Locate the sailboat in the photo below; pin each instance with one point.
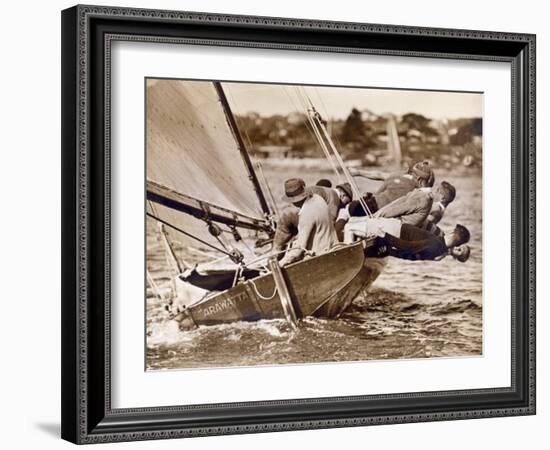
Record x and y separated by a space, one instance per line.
205 194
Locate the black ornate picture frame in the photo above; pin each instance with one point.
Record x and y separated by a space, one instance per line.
87 34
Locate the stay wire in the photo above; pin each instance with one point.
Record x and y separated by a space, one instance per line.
315 132
345 171
185 233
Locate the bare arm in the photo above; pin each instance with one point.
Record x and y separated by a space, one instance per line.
287 226
370 174
341 220
305 228
435 216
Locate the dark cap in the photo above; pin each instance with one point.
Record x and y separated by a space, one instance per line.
423 171
323 182
346 187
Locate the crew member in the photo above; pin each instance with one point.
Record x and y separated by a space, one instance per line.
438 209
336 198
316 233
416 207
394 185
409 242
287 224
324 182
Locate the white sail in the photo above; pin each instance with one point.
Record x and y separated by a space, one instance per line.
192 150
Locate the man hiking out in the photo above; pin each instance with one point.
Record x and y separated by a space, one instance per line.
414 208
438 209
417 206
409 242
394 185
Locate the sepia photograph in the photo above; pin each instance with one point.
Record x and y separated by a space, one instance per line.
301 224
282 223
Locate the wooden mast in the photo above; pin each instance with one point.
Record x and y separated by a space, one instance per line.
242 148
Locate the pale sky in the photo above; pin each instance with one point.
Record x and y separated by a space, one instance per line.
337 102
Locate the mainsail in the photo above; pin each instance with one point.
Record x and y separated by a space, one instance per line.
197 169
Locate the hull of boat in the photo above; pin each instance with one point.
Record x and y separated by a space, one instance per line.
339 302
322 286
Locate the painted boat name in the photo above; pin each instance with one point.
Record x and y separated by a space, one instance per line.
223 304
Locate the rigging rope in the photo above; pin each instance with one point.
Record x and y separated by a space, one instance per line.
325 110
345 170
209 255
234 254
263 297
324 148
269 192
155 288
219 239
311 129
238 119
315 118
190 235
303 98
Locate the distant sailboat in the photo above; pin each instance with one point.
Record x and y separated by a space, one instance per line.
203 189
394 146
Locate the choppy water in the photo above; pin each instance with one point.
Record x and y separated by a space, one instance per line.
414 310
